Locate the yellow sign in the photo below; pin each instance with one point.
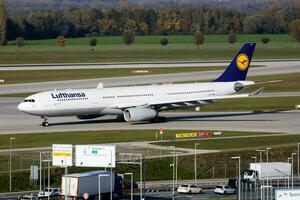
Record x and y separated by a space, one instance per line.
242 61
65 154
186 135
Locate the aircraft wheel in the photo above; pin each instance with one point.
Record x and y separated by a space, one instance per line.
45 124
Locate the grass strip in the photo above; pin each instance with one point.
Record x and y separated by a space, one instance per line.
93 137
237 143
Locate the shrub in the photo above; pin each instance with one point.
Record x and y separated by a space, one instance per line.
265 40
20 42
295 29
93 42
128 37
232 37
164 41
61 41
199 38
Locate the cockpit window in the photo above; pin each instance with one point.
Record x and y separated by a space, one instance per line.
29 100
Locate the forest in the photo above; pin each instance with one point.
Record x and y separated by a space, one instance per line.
85 21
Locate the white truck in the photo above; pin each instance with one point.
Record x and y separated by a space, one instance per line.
76 185
270 170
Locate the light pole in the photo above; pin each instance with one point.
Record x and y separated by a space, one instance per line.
99 184
293 154
298 144
255 161
173 190
289 174
239 159
131 184
260 154
173 165
10 152
267 150
111 196
195 160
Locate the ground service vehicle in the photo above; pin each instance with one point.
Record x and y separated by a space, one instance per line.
270 170
224 189
75 185
52 192
189 189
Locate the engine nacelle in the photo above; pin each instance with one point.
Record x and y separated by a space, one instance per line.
139 114
88 116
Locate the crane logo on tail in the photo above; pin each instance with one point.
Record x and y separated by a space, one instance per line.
242 62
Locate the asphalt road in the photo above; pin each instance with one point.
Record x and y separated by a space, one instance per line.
151 196
14 121
270 68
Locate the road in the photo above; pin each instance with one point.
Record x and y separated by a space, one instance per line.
270 68
14 121
150 196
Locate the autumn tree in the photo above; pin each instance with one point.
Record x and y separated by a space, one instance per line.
20 42
61 41
128 37
232 37
295 29
199 38
3 24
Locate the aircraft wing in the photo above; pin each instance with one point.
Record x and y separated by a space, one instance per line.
187 100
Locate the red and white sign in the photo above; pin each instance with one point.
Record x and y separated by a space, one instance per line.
204 134
161 131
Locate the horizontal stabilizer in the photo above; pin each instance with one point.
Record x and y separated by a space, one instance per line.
257 92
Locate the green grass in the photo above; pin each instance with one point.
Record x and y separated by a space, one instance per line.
290 82
155 39
237 143
93 137
146 48
30 76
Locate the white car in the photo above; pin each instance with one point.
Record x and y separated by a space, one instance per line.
28 197
224 189
189 189
53 192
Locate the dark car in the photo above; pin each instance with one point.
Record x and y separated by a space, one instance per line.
127 185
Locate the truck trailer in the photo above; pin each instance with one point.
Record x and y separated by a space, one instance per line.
75 185
268 170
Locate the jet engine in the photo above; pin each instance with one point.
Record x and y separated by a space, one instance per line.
88 116
139 114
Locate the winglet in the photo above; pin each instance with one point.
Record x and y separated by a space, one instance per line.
257 92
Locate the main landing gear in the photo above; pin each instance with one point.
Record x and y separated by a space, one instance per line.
45 123
159 119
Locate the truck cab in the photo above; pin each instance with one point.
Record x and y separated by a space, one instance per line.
250 174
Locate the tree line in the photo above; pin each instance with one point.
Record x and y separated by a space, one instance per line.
81 22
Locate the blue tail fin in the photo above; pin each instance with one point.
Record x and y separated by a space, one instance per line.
238 68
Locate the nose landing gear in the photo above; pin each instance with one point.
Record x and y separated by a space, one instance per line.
45 123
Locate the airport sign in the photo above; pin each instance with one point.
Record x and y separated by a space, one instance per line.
95 156
289 194
62 155
194 135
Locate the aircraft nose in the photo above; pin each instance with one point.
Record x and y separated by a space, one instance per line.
22 107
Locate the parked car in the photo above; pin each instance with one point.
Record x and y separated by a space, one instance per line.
52 192
127 185
224 189
28 197
189 189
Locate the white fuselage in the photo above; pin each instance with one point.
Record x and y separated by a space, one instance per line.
111 101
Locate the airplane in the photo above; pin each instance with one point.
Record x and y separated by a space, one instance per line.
142 103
